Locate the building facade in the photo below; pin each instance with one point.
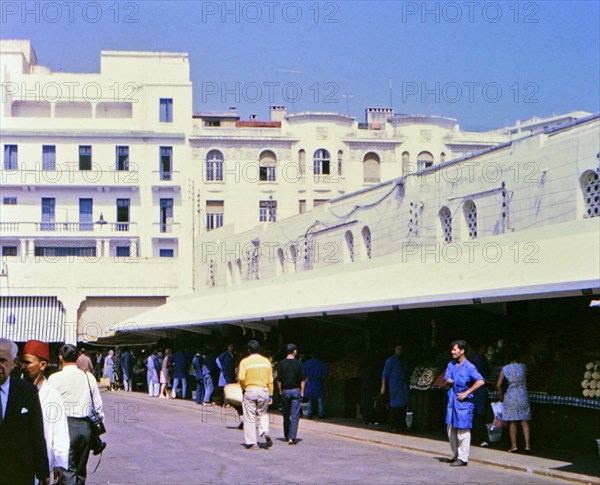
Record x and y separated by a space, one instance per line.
113 191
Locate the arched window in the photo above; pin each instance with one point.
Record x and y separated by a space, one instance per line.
442 157
302 162
349 245
406 168
267 163
590 185
340 162
293 257
281 261
446 221
238 264
470 211
366 234
424 160
230 274
371 168
214 165
321 162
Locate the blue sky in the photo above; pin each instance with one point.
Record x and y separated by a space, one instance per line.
485 63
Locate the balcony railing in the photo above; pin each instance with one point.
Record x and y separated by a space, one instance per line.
166 227
51 228
165 176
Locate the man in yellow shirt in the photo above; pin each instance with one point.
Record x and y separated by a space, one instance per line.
255 376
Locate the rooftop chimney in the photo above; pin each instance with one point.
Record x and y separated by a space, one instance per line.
277 113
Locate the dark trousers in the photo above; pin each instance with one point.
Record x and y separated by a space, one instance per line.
291 404
398 418
80 435
479 432
199 390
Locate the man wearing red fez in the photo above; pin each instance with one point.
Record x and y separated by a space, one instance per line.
36 355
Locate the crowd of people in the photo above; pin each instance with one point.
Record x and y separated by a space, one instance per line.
60 448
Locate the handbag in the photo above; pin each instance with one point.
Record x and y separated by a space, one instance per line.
96 421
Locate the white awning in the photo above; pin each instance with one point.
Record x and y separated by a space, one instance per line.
519 266
32 317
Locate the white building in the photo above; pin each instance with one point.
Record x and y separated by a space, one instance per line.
518 222
109 181
95 215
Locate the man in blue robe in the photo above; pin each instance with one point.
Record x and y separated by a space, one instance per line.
395 375
463 378
316 372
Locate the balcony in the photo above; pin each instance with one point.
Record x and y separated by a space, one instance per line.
165 227
70 176
68 229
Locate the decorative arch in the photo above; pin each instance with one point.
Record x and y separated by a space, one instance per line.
371 168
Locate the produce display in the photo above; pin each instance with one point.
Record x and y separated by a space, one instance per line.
591 379
347 367
423 377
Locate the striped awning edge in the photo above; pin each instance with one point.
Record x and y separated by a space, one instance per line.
32 317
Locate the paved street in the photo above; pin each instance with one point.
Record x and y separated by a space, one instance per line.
153 441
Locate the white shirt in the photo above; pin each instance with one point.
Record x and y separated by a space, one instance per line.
72 385
4 388
56 429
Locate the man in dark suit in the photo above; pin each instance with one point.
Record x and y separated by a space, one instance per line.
21 426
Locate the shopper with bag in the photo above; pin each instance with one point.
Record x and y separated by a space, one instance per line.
515 401
80 393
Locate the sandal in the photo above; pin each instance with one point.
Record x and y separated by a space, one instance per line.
513 450
529 451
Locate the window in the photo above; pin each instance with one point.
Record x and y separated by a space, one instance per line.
48 206
366 234
166 215
48 157
590 184
122 251
281 260
266 166
293 253
214 214
63 251
122 215
85 214
442 157
446 221
214 166
406 168
340 160
85 157
302 206
302 162
424 160
350 245
166 163
267 211
122 158
166 253
11 159
212 269
9 250
470 211
321 162
371 168
166 110
9 201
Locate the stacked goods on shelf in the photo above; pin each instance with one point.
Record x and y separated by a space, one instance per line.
423 377
591 380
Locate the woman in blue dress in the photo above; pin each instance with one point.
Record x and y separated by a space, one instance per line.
463 378
515 401
109 368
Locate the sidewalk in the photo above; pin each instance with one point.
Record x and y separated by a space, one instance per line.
548 463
